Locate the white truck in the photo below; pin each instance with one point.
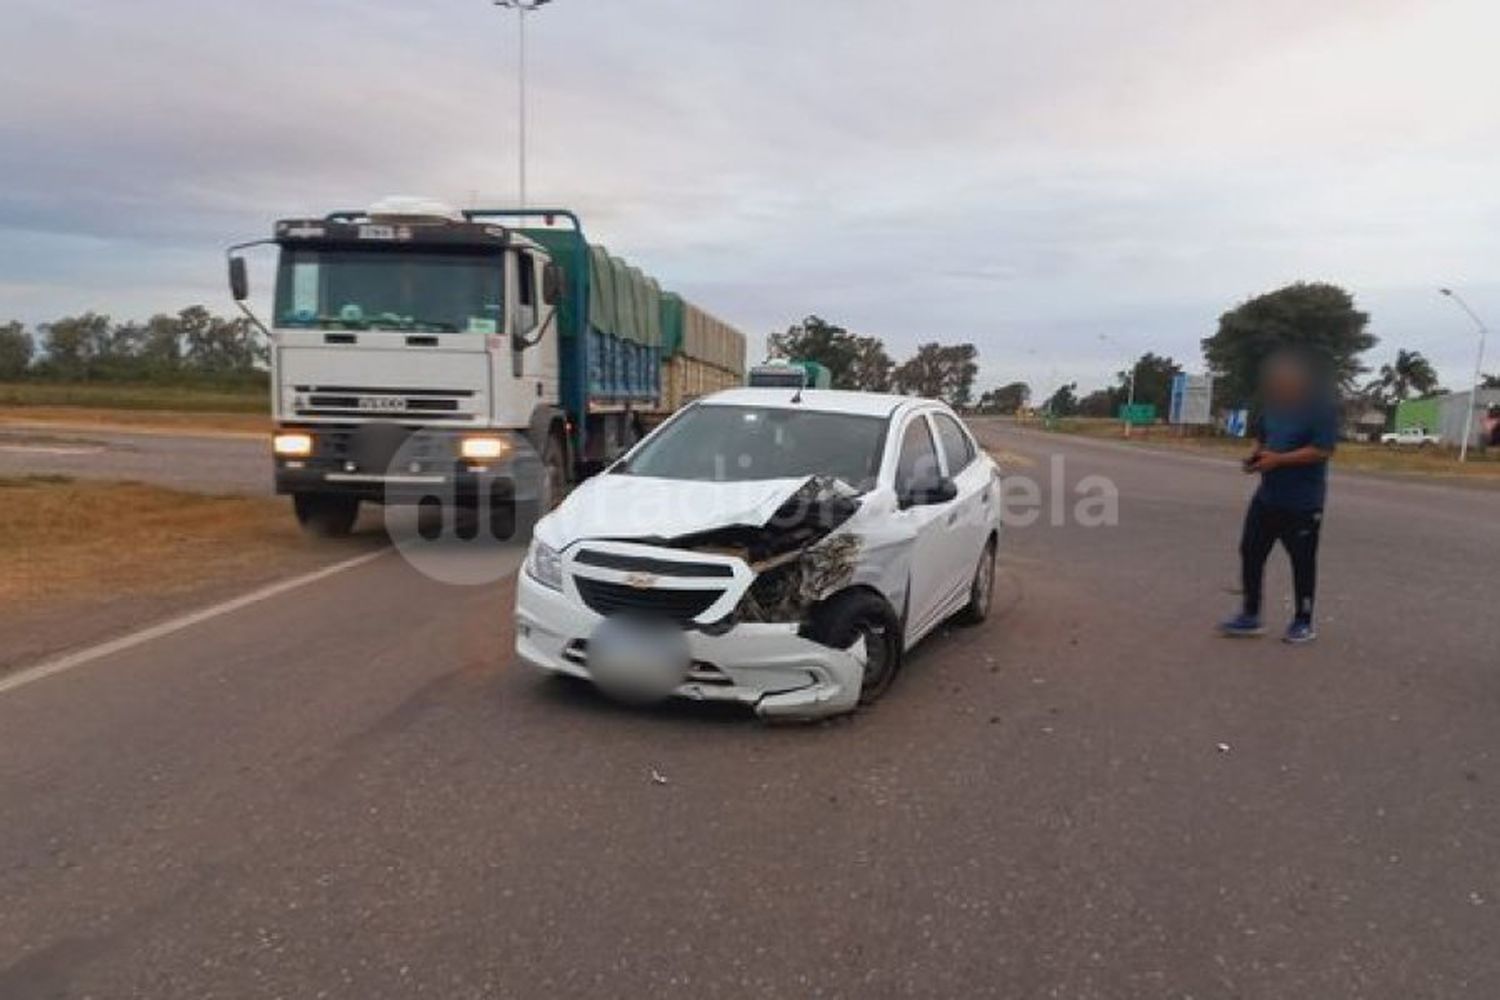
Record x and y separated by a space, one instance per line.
1410 437
483 358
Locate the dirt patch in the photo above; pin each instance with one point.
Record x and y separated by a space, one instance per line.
84 418
81 560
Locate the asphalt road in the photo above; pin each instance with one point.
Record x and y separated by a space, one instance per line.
351 791
216 463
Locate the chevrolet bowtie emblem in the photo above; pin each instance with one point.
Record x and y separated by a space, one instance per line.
640 581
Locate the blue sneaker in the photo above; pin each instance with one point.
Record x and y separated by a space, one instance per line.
1242 625
1300 631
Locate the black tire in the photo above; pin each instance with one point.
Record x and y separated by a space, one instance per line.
325 516
846 618
554 472
551 488
982 589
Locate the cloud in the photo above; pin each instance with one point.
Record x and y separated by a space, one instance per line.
1023 175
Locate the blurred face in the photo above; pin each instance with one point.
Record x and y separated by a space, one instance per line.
1285 380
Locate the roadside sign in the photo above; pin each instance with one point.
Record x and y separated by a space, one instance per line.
1138 414
1192 399
1237 423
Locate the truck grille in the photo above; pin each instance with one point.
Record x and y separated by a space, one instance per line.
680 606
381 401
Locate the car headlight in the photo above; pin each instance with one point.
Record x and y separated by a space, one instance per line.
482 449
544 565
292 445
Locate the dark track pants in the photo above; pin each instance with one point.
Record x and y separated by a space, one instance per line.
1297 531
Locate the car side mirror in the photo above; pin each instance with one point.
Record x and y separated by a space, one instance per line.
552 284
239 279
930 493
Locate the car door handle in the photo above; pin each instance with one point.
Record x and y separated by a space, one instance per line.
952 518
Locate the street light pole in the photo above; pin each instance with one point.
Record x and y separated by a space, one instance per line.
522 8
1463 449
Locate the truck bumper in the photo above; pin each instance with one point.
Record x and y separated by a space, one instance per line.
768 667
404 466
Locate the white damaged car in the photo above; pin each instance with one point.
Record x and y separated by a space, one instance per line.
779 549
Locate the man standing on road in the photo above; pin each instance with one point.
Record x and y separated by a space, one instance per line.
1295 437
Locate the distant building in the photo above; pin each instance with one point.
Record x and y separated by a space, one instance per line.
1444 415
1362 422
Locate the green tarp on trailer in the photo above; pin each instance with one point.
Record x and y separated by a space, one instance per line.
671 324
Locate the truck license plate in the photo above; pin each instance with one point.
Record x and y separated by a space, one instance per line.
383 404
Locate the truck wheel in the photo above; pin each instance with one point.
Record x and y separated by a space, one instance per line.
325 516
554 472
981 590
859 616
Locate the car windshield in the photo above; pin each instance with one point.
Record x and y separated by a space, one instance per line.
743 443
386 290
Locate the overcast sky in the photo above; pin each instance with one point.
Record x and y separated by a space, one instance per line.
1027 176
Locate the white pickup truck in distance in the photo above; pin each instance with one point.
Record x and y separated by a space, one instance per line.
1410 437
781 549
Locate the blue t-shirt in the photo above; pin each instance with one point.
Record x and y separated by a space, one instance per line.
1297 487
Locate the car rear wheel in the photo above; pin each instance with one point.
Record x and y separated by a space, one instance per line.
982 590
863 622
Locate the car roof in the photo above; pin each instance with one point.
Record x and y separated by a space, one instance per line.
868 404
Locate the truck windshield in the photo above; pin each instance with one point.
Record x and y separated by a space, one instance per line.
743 443
390 290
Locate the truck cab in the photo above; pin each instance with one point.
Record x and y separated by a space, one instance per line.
414 358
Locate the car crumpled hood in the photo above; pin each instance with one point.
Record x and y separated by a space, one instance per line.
640 507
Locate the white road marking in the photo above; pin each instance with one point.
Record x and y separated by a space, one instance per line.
47 449
68 661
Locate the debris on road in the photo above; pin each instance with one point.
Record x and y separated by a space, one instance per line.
657 778
1222 747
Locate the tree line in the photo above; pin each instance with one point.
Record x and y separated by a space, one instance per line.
192 344
1317 319
938 371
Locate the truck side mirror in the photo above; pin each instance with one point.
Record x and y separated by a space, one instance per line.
552 284
239 279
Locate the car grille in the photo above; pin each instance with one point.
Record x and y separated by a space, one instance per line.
646 564
680 606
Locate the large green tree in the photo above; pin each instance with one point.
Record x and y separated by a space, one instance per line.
1408 374
1317 318
1100 403
16 348
1006 399
872 368
941 371
816 339
1063 402
77 346
1153 383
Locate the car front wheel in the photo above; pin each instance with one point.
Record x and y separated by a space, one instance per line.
863 622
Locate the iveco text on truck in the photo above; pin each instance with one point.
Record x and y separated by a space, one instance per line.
485 358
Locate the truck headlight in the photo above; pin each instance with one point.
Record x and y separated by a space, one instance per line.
292 445
544 565
482 449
